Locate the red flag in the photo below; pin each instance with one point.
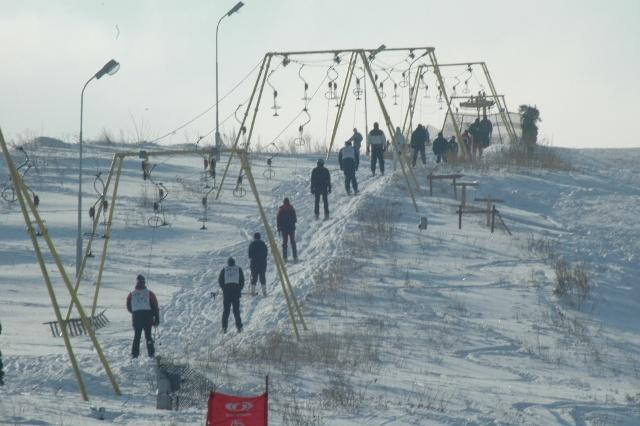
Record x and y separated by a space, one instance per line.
231 410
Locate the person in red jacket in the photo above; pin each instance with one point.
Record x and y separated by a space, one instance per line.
143 305
286 221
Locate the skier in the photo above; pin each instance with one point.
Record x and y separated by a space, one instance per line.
452 149
143 305
286 221
231 281
376 142
440 146
357 144
347 161
321 186
486 129
258 263
400 145
419 138
475 131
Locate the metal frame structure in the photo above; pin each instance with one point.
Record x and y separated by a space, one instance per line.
365 56
31 217
499 100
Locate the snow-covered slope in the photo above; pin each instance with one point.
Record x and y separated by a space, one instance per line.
442 326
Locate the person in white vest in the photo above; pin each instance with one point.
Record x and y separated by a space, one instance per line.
145 313
376 143
231 281
347 161
400 144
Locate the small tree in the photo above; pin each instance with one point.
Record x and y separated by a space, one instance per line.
529 116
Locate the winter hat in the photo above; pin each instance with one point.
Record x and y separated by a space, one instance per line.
231 261
320 162
256 236
140 281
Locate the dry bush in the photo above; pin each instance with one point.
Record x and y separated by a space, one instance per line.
295 414
341 393
544 247
519 156
571 281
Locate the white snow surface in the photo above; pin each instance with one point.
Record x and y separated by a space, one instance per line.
441 326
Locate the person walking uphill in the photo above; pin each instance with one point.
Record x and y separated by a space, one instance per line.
231 281
375 143
321 186
357 144
440 148
143 305
419 139
258 263
286 223
347 160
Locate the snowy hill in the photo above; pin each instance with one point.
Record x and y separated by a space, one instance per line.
441 326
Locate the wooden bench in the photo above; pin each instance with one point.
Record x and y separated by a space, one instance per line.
431 177
464 185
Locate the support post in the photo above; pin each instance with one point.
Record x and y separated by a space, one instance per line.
343 100
459 217
275 252
501 108
412 104
96 219
266 61
456 128
107 234
21 194
85 320
493 218
390 129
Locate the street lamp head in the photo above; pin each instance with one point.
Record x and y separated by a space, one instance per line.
235 8
110 68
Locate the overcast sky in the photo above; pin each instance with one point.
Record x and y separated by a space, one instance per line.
578 61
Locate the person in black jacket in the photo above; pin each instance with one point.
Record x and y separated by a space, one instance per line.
143 305
347 161
419 139
286 221
258 262
321 186
231 281
440 148
376 144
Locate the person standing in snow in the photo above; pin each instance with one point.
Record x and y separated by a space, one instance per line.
419 139
321 187
475 130
286 224
347 161
376 142
452 149
400 145
357 144
486 128
145 313
258 263
231 281
440 147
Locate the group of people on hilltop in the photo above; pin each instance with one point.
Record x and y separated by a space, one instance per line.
478 136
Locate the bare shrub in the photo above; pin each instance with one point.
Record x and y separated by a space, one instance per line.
294 414
341 393
519 155
544 247
571 281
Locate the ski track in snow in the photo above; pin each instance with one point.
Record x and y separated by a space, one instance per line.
464 326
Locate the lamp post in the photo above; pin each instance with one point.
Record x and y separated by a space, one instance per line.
229 13
109 68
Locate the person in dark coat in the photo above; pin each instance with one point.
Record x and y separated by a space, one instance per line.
347 161
440 148
286 223
475 130
258 263
452 149
231 281
321 187
419 138
357 144
145 313
486 128
376 143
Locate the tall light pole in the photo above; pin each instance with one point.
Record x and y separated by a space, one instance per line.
229 13
109 68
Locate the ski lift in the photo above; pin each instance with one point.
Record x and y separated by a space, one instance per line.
275 106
